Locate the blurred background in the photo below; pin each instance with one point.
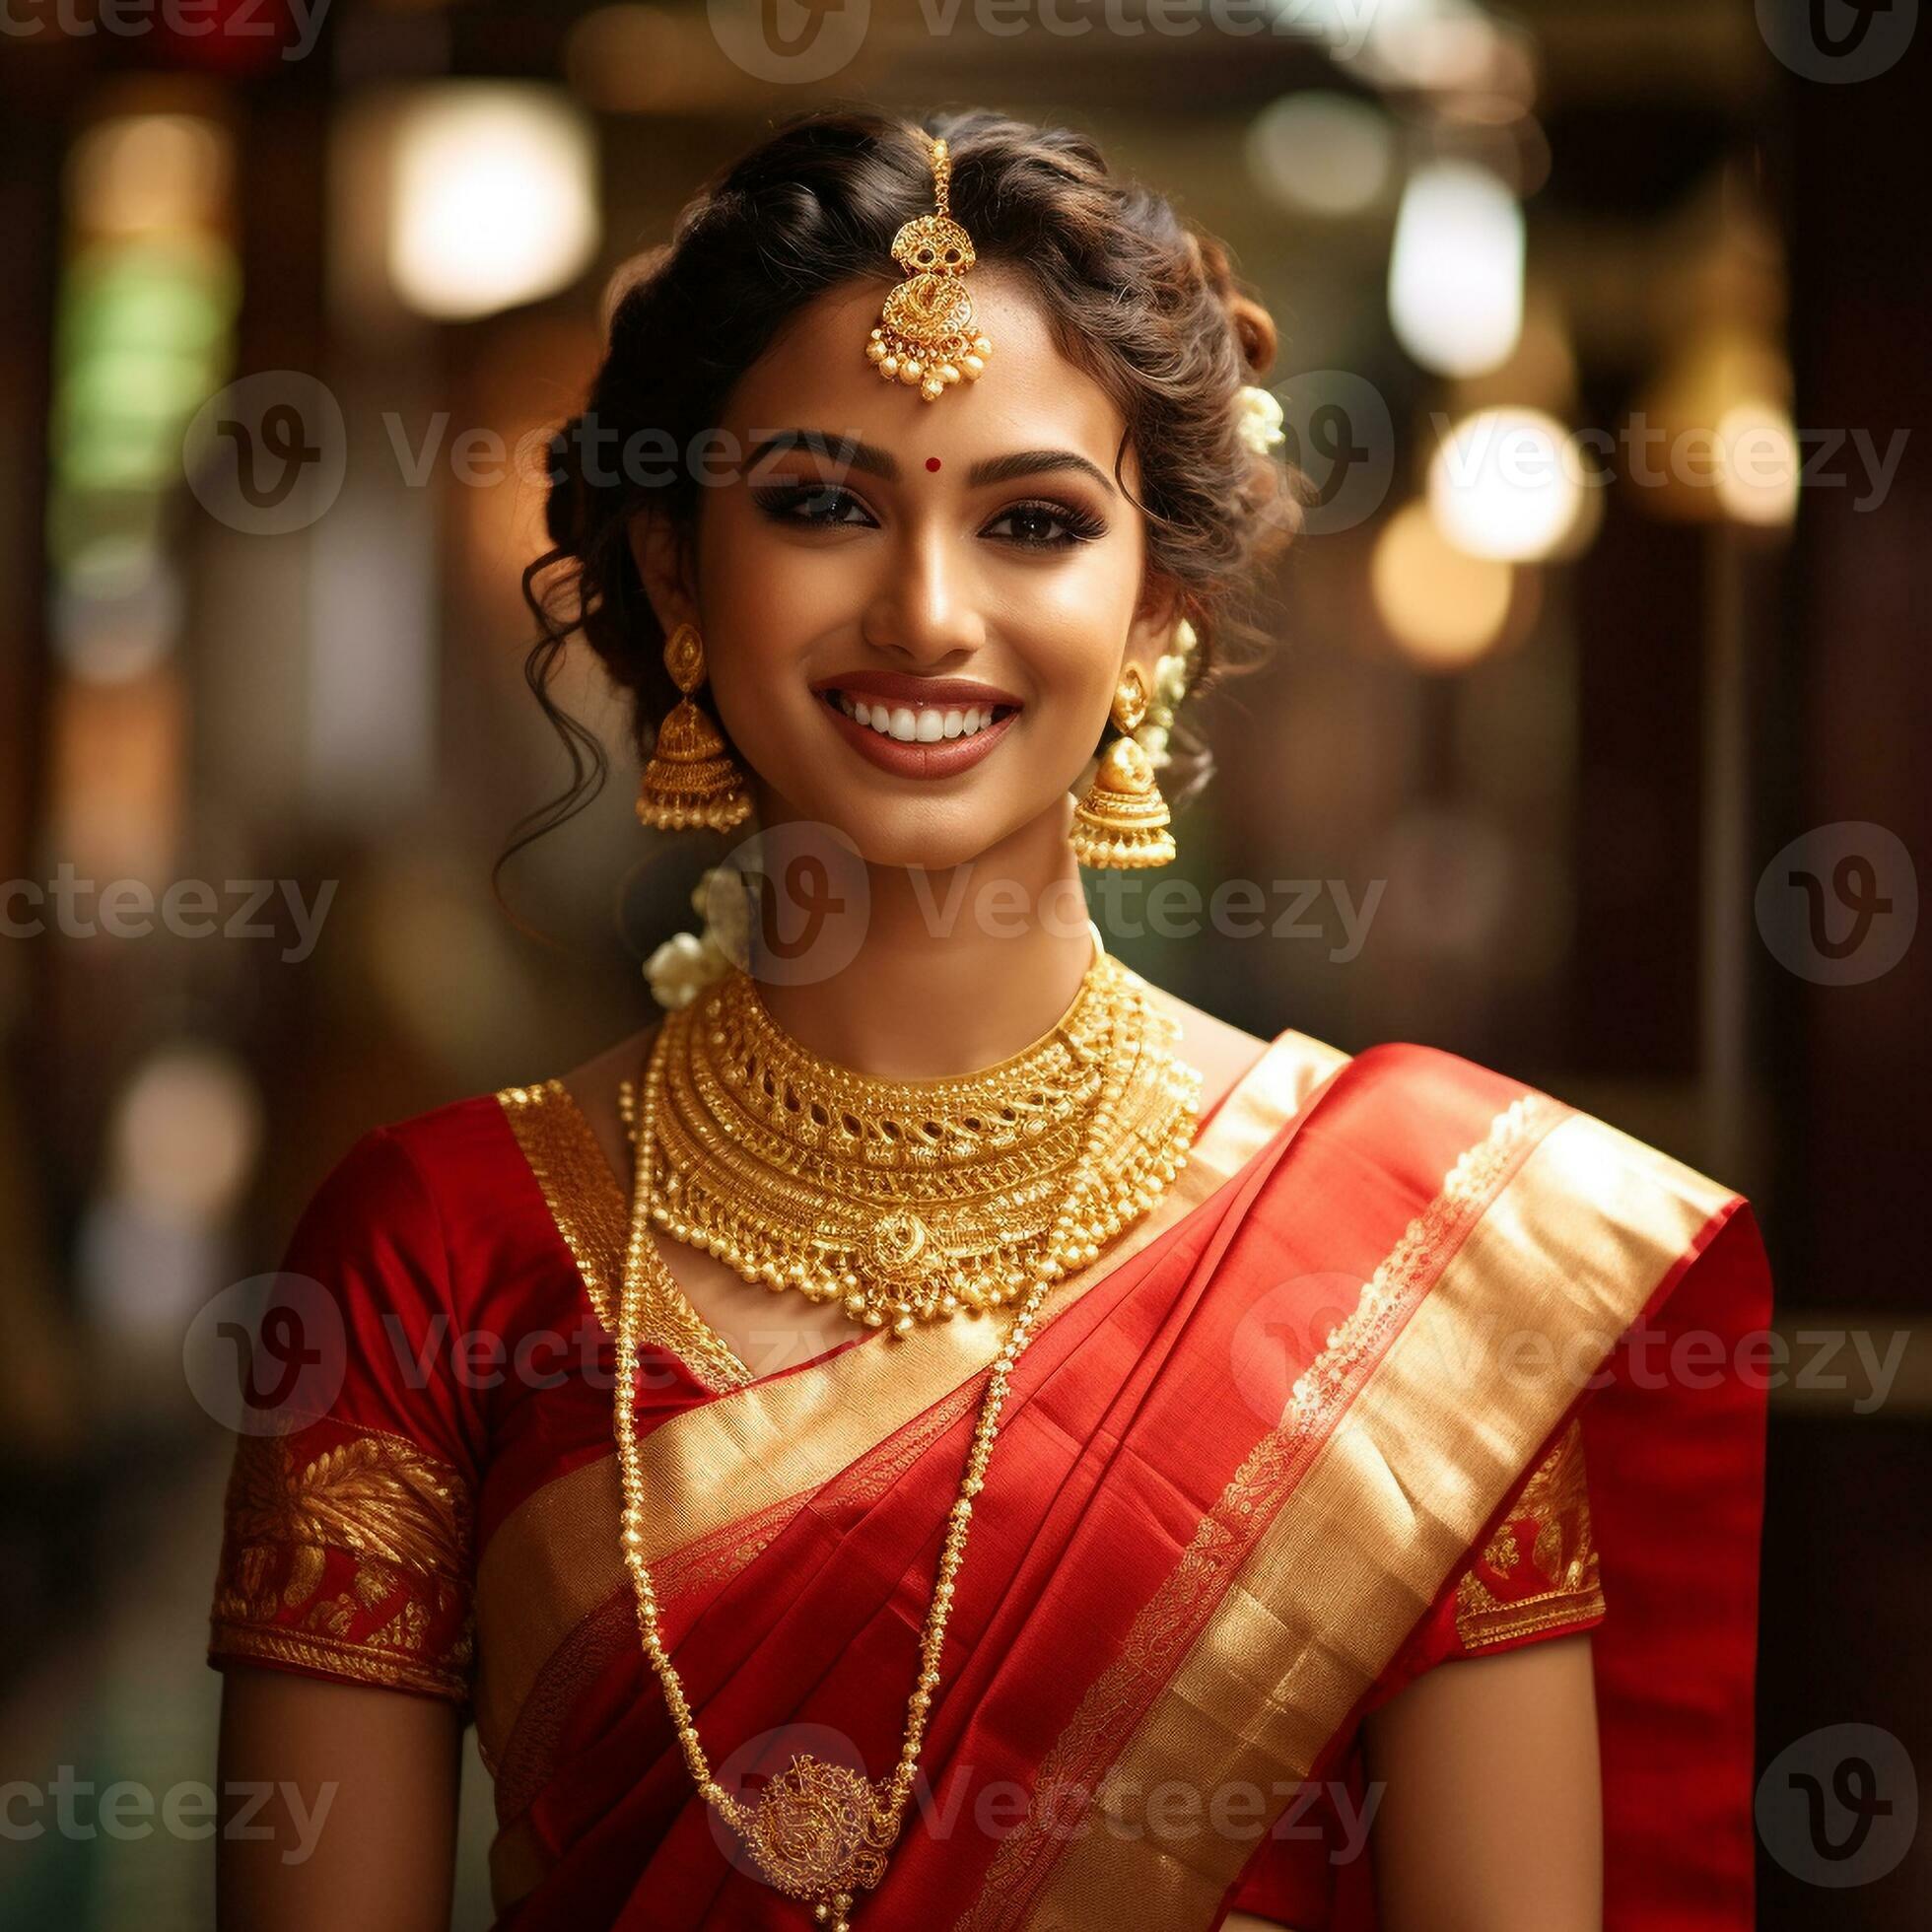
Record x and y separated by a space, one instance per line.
1592 745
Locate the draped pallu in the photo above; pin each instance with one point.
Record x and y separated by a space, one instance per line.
1396 1376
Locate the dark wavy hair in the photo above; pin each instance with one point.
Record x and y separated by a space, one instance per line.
1132 293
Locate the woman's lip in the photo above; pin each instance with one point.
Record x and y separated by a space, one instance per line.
941 759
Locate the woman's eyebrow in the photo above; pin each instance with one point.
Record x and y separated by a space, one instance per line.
844 453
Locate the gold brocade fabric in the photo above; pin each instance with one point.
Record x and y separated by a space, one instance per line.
346 1551
1538 1571
1382 1518
589 1206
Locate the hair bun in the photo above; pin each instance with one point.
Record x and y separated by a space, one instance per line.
1253 326
1254 329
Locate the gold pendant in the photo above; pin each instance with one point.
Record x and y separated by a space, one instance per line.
818 1830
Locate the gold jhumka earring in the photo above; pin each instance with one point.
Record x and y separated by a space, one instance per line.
926 337
692 779
1123 820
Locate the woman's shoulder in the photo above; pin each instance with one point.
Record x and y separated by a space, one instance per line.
1405 1095
455 1158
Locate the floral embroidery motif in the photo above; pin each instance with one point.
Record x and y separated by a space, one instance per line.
1539 1570
350 1556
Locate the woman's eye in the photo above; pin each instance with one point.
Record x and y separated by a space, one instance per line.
820 503
1024 525
1046 526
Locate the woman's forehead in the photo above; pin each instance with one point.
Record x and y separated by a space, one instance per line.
1032 396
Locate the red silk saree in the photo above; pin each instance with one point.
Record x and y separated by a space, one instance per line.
1399 1374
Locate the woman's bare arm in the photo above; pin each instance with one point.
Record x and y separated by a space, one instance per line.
359 1826
1490 1801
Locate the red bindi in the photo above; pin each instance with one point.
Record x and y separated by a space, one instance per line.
931 462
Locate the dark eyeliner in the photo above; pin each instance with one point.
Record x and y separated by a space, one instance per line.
782 500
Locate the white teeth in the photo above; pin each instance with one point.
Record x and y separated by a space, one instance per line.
924 726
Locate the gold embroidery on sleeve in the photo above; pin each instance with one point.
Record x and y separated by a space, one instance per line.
355 1560
1558 1582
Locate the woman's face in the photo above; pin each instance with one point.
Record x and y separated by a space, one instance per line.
915 614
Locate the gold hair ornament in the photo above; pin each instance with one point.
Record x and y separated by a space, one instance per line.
926 338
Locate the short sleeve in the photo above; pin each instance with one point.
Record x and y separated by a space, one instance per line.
1537 1575
1534 1578
348 1538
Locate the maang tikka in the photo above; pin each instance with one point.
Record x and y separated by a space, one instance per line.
692 779
926 335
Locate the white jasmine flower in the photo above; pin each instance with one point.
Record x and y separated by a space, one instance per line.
1170 681
723 900
1259 418
682 967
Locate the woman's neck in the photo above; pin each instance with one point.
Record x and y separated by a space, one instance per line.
954 970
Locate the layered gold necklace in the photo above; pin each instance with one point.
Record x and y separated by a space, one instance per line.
905 1200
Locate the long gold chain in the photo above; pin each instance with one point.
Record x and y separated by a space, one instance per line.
819 1831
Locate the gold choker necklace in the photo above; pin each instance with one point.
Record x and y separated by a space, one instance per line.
906 1200
1106 1078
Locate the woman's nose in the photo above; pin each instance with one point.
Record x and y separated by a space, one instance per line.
925 611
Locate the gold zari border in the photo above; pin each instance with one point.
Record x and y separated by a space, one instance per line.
1571 1248
1563 1552
591 1214
400 1518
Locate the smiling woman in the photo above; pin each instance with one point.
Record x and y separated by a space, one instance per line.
1037 1455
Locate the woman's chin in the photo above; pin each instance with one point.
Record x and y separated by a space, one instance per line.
928 840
